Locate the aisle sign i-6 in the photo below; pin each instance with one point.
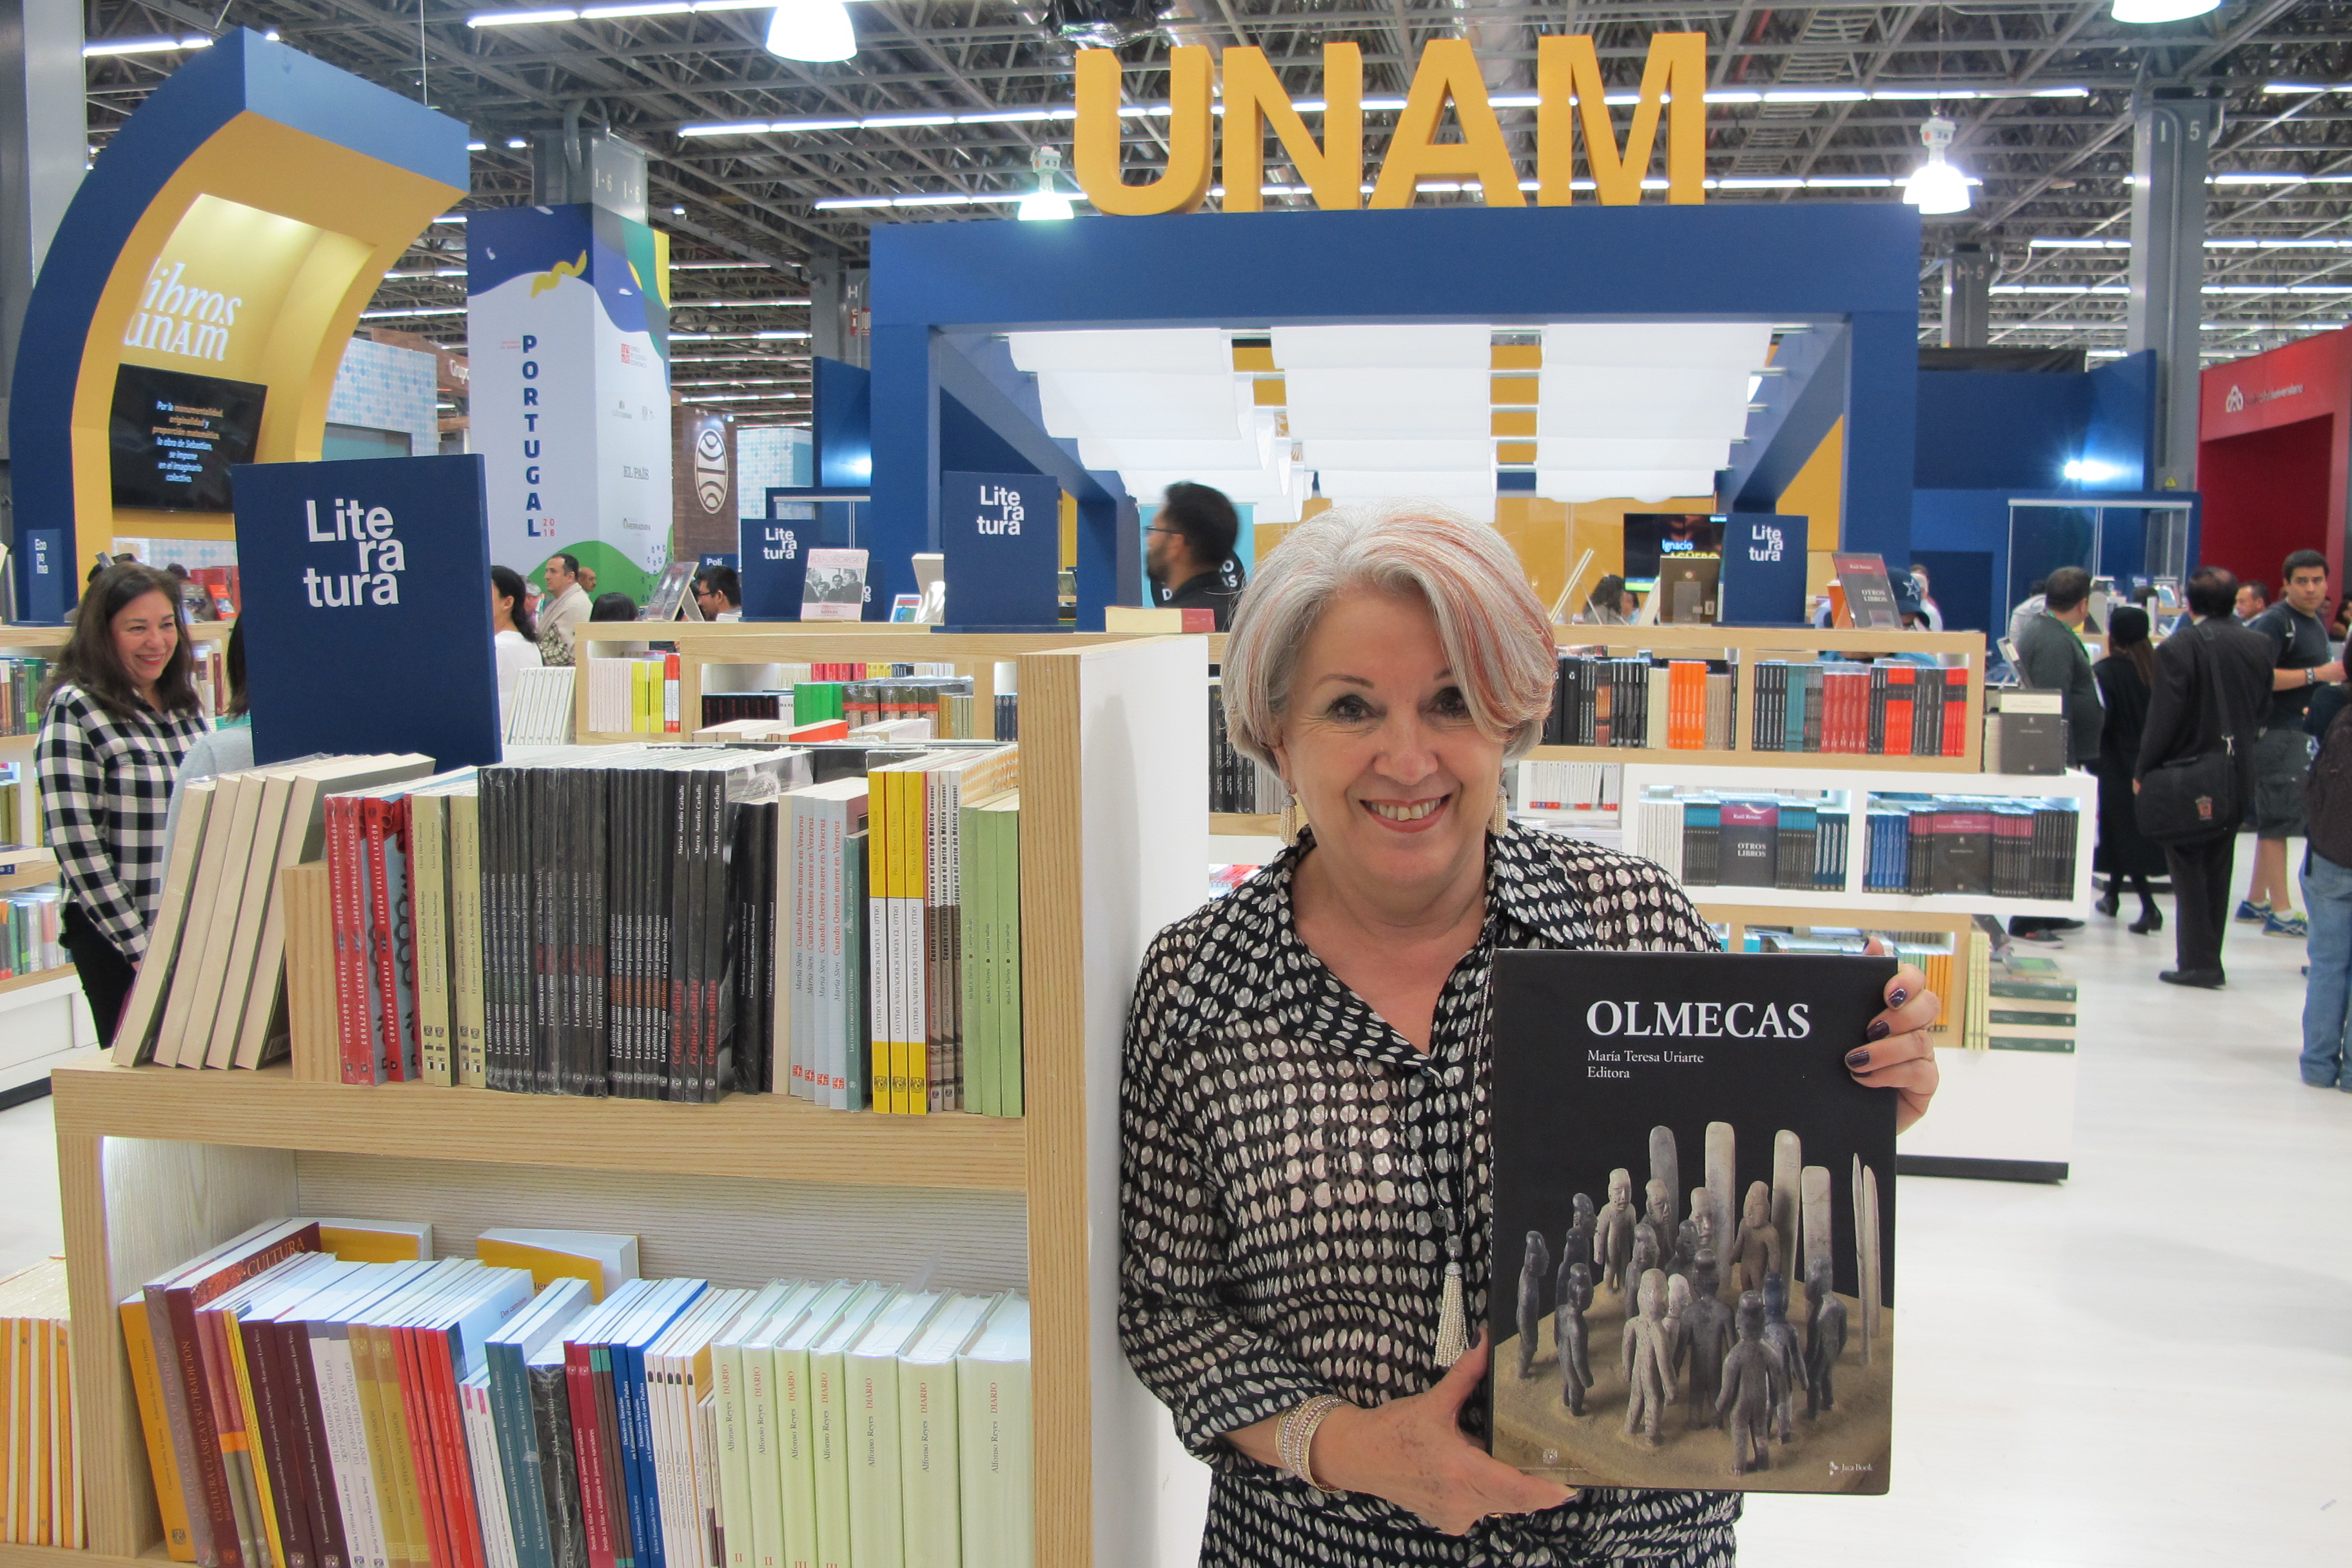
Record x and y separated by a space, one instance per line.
1570 95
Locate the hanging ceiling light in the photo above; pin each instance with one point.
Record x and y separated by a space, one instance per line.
1045 203
2145 11
811 30
1938 186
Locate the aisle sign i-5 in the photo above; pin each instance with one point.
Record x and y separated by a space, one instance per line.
368 627
1570 98
1763 570
1002 537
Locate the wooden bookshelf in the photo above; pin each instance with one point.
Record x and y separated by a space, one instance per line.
157 1163
16 983
701 645
1245 825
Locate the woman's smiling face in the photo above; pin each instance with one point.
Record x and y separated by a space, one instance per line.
1379 745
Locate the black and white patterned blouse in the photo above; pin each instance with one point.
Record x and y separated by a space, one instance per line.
1292 1168
106 785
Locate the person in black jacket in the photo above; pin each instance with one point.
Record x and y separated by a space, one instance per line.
2124 677
1189 551
2213 679
2049 656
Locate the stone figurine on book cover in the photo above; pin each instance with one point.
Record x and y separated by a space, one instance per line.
1728 1319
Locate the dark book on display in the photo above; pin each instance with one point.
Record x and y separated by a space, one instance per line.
1696 1289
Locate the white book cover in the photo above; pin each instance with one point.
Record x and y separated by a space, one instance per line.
829 1433
490 1475
992 1418
870 1369
233 795
804 1017
729 1456
795 1449
929 1485
673 1358
145 1006
786 948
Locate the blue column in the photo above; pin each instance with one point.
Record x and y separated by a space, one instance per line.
1101 525
1882 430
905 511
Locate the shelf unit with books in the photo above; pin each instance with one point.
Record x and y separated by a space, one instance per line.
1745 648
1858 787
702 646
156 1164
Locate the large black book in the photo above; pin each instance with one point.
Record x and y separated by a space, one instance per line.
1691 1114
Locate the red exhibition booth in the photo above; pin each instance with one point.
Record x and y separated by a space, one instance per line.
2272 457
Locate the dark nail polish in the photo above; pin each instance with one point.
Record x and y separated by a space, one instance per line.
1879 1029
1896 997
1858 1058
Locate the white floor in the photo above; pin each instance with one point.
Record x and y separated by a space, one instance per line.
2149 1365
2152 1363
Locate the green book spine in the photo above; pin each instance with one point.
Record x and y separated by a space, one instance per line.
857 1039
1008 965
979 887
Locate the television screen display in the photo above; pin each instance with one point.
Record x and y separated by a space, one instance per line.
174 436
1652 535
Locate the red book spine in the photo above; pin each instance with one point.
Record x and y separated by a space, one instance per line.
670 694
327 1527
588 1455
383 948
420 1450
450 1445
1956 713
273 1447
1901 691
343 895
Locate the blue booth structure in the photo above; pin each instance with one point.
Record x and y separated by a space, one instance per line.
2017 472
946 397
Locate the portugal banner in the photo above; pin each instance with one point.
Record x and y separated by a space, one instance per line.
567 313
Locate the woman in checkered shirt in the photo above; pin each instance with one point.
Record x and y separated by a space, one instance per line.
122 711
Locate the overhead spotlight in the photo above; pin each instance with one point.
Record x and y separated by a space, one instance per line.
518 142
1045 203
1937 188
677 212
2146 11
814 30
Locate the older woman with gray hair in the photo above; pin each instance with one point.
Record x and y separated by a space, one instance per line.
1304 1094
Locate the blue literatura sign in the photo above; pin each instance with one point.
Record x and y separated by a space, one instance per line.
1001 536
367 608
1763 570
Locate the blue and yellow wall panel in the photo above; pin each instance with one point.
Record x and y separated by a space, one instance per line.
235 227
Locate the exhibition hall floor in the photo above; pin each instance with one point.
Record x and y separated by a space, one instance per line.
2151 1365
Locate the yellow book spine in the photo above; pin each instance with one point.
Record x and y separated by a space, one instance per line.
915 815
250 1439
20 1429
399 1454
907 842
44 1480
145 1382
396 1549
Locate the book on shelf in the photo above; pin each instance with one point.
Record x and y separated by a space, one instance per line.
307 1409
1885 708
1706 839
2001 847
29 941
1591 788
210 987
1931 952
41 1501
2029 1004
1237 783
542 712
1723 1224
22 676
1635 701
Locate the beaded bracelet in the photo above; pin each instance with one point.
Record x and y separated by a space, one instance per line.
1294 1439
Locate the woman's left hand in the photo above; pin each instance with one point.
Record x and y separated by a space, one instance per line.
1896 1052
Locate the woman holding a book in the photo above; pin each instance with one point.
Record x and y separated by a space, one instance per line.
121 712
1304 1095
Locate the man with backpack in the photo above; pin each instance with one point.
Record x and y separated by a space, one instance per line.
2327 899
2197 765
2299 654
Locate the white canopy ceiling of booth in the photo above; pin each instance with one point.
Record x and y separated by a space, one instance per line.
1638 411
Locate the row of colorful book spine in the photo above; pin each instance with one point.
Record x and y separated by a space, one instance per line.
324 1395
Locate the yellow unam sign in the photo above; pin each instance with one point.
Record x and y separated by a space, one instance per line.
1568 88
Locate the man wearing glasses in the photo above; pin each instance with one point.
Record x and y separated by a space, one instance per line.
1189 551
